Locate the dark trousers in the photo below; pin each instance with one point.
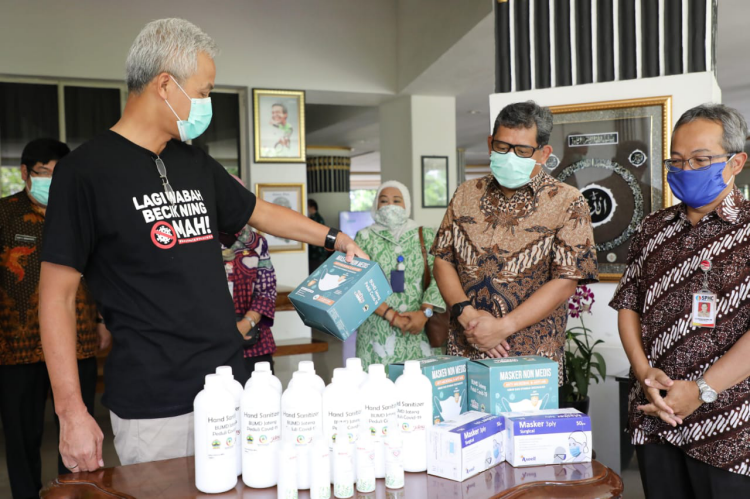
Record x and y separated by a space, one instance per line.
667 472
251 361
24 389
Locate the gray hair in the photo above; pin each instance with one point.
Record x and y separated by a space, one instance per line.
526 115
166 46
733 123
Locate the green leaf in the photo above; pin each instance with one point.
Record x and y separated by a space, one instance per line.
601 366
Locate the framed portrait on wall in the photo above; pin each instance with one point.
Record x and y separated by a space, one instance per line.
279 126
290 196
613 153
434 181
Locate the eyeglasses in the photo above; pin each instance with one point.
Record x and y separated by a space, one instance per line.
45 174
521 151
164 180
694 163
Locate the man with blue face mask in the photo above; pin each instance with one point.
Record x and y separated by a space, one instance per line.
684 314
513 246
24 383
138 212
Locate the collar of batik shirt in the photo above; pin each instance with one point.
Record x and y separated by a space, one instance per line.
729 210
536 183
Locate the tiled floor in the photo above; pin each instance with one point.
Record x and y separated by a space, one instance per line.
631 478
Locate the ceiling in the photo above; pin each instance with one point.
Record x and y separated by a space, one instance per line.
466 71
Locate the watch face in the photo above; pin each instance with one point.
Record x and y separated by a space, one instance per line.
709 396
428 312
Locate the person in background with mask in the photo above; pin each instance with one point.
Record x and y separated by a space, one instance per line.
395 332
138 212
513 246
24 383
689 377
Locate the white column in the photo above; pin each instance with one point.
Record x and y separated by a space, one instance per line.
412 127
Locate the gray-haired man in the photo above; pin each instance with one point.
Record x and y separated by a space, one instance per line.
684 316
513 246
138 212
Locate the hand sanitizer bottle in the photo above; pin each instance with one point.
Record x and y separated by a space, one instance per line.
414 398
235 388
215 423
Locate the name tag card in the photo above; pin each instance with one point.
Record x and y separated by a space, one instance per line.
704 309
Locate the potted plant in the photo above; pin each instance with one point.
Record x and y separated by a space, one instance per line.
582 363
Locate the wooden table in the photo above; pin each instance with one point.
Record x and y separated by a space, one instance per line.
176 478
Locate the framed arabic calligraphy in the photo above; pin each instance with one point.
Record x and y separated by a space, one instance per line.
612 152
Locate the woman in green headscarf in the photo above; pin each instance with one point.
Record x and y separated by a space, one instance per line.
395 332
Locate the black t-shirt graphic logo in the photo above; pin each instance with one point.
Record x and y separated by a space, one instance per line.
163 235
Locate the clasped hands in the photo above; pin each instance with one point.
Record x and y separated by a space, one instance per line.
682 399
408 322
485 332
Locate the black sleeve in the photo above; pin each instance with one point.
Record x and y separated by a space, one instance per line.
235 203
69 226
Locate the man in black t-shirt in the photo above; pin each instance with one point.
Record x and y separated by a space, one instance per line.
138 212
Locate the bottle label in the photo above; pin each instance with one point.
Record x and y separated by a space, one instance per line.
222 434
343 424
378 417
261 429
301 424
411 416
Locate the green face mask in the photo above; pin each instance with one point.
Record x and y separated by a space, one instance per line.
510 170
40 189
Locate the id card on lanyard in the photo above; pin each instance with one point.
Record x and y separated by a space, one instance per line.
704 302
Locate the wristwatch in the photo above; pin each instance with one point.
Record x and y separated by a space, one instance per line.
708 394
330 243
458 309
250 320
428 312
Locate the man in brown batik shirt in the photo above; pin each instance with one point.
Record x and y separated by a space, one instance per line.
689 406
513 246
24 383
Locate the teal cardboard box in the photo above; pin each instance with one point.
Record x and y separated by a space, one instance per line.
513 384
448 376
339 296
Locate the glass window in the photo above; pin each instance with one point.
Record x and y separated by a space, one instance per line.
89 111
222 138
29 111
362 199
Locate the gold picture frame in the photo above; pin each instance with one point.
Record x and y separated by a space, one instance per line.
279 126
595 141
290 196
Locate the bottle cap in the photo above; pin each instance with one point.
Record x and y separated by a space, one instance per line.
225 371
262 367
213 380
354 363
306 366
412 367
376 370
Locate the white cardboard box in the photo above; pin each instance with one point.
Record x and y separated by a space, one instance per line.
555 436
466 446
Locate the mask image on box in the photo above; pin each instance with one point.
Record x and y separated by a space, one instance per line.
533 403
330 281
451 407
449 389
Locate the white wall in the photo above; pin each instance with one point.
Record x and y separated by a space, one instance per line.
687 91
426 29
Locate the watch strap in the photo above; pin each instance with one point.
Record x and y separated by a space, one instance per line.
330 243
458 308
250 320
